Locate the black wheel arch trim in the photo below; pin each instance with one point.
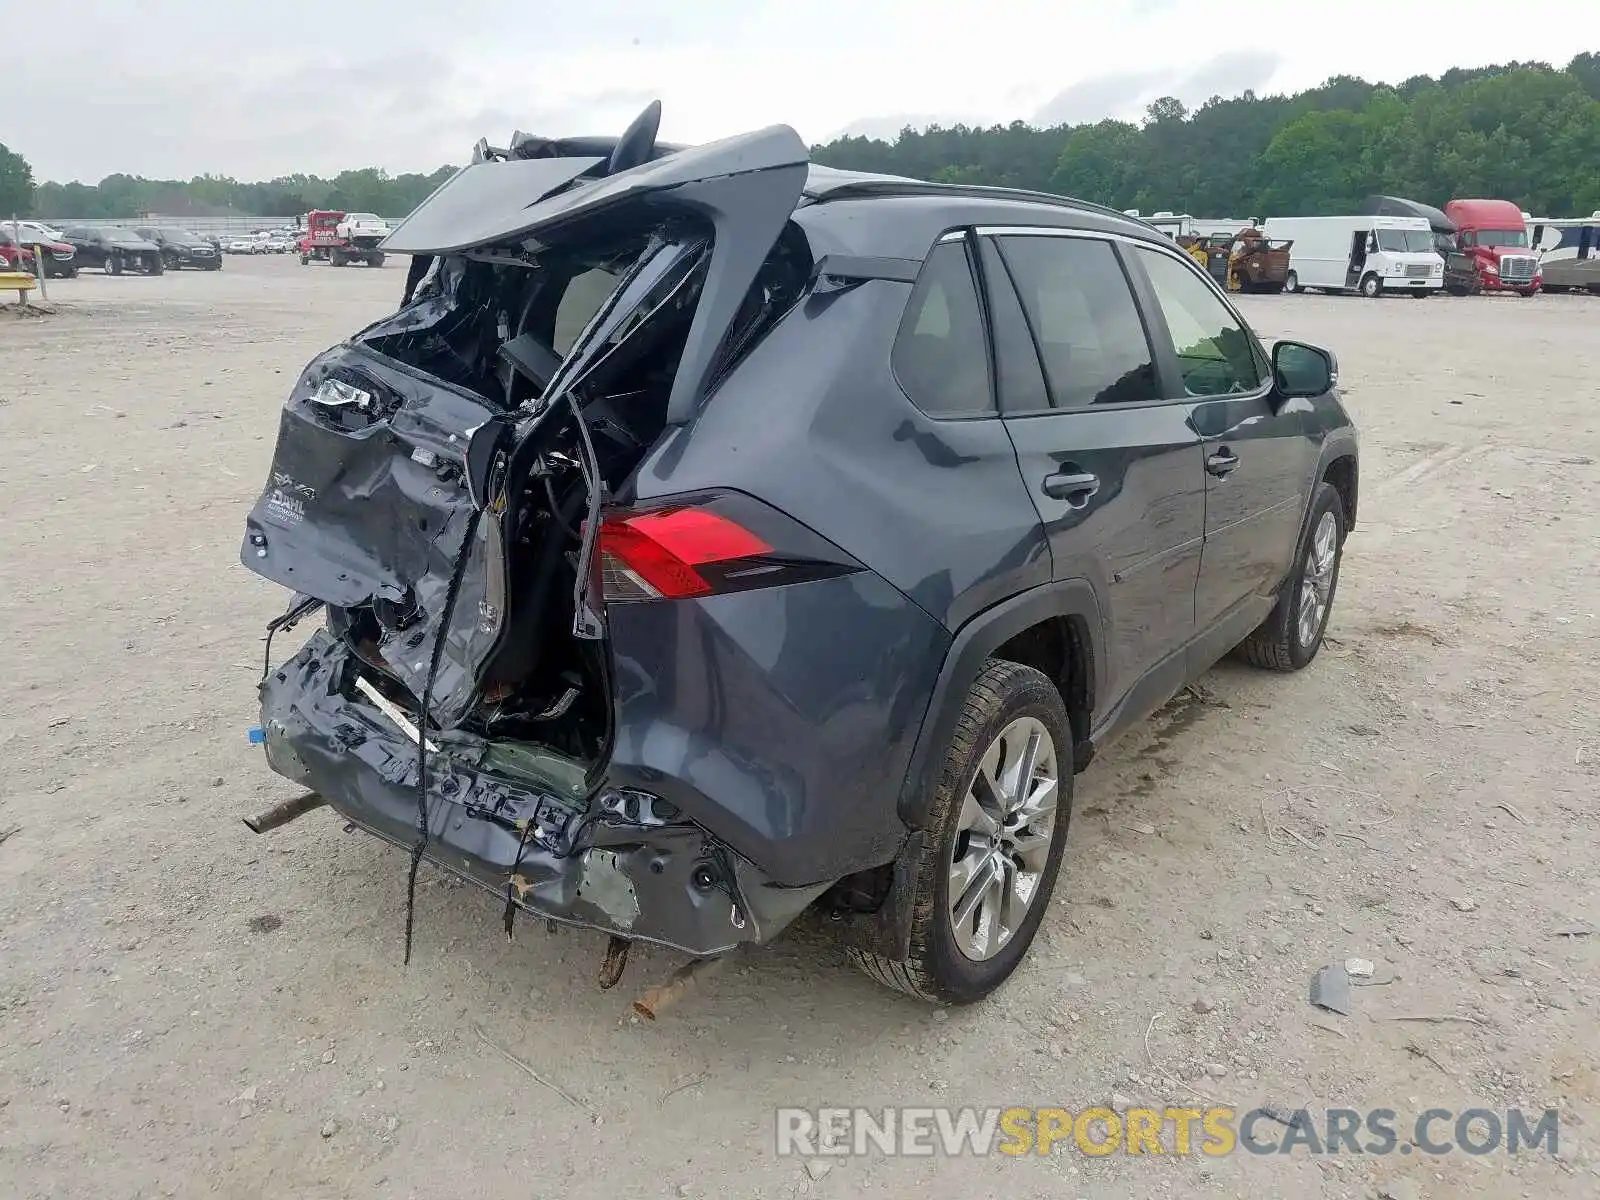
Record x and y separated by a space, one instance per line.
1341 442
971 647
887 930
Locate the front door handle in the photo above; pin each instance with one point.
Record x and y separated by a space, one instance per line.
1222 463
1075 487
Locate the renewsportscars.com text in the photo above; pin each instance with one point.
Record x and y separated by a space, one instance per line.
1098 1131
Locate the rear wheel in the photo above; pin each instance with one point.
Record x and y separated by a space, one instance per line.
1371 287
1291 282
993 843
1292 633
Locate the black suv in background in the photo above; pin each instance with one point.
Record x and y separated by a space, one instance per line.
113 250
180 248
740 533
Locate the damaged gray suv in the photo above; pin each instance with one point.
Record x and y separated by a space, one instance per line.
710 534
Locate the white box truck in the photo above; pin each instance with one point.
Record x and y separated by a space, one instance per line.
1370 255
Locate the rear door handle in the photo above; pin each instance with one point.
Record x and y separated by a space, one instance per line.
1222 462
1075 487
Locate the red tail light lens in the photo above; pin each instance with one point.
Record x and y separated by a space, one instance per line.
709 544
656 555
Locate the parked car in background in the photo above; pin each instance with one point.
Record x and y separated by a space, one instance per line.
14 256
807 557
180 248
240 245
115 250
360 228
60 259
279 244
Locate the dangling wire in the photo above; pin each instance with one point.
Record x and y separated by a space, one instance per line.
302 607
516 873
456 573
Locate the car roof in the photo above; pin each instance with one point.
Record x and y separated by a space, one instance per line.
899 217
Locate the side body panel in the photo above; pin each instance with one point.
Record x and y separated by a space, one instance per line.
814 424
781 718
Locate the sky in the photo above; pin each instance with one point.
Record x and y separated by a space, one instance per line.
177 88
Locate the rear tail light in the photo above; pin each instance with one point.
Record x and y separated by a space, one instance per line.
708 546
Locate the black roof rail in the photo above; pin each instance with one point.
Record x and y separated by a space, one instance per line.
870 185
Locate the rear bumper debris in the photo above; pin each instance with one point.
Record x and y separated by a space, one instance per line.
570 859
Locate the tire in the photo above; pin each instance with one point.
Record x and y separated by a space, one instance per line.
1280 643
157 268
374 260
1009 710
113 265
1291 282
1527 293
1421 295
1455 289
1371 286
305 260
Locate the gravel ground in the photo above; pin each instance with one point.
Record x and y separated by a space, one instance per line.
189 1010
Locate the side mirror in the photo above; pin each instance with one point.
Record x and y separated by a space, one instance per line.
1299 370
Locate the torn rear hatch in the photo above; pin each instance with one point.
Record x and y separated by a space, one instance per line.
458 446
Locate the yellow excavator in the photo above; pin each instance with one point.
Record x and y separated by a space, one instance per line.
1242 262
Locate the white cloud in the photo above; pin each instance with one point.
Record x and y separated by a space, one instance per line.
178 87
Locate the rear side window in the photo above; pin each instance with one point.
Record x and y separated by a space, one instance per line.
1084 321
939 355
1216 354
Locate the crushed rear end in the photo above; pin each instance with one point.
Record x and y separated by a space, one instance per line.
454 488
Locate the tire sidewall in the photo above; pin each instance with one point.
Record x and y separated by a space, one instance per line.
1291 282
1327 500
964 978
1371 287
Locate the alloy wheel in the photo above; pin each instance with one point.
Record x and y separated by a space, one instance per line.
1316 581
1003 838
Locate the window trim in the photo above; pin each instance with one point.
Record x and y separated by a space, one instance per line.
963 235
1268 377
1138 284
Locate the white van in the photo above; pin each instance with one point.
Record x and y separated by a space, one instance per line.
1370 255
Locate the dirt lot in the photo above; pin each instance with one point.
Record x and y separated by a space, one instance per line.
189 1010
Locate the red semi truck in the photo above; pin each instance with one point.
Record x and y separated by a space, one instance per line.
1491 239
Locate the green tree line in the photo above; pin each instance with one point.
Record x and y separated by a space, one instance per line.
370 189
1522 131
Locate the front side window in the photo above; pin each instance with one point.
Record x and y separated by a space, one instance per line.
1216 355
1083 318
939 355
1396 241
